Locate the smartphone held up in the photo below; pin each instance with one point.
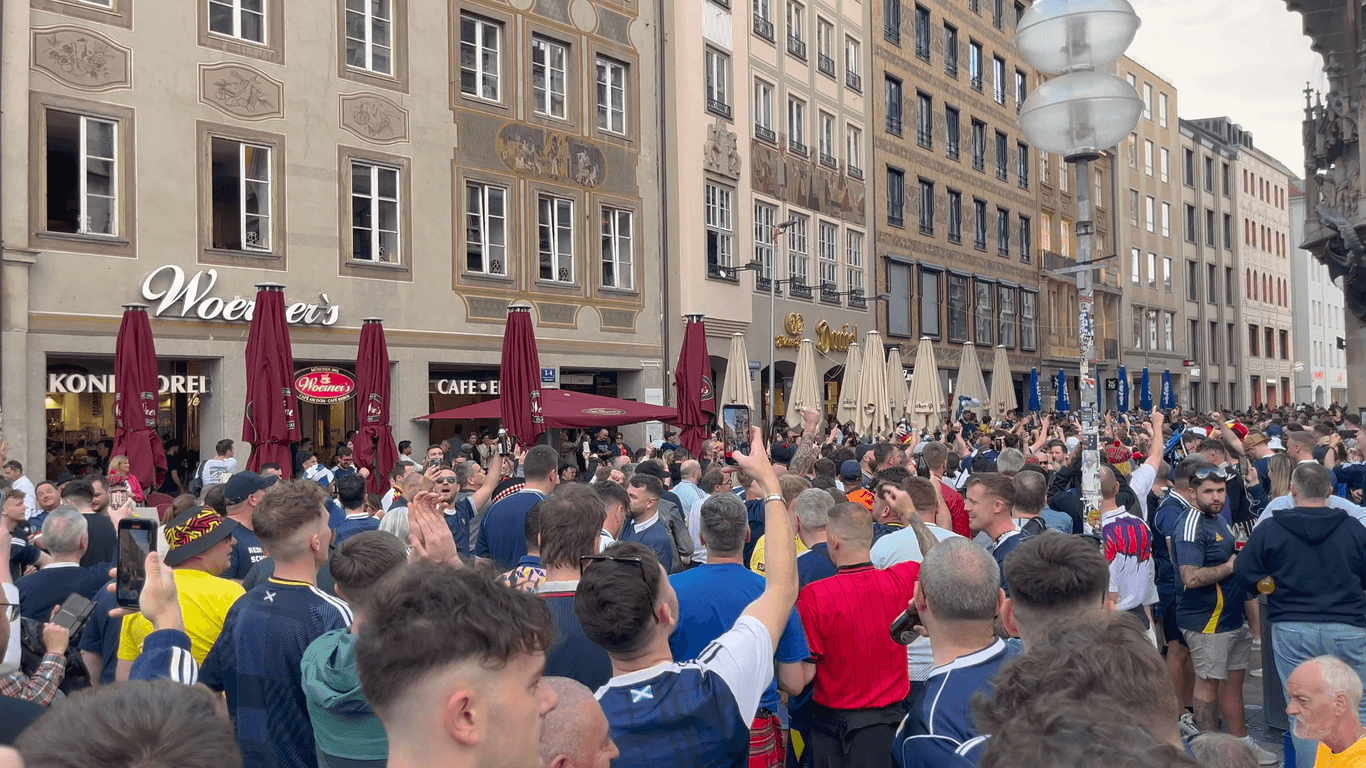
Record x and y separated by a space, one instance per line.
136 540
735 423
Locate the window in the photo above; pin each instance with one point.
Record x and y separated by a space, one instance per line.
1168 321
951 132
1148 156
1002 157
1135 271
975 65
1152 329
998 79
922 32
796 125
798 250
891 21
1003 232
82 174
241 196
984 316
929 302
765 218
853 262
618 251
1133 208
1005 310
1226 181
1137 314
853 64
763 19
1269 348
719 216
1152 271
611 95
1193 341
896 197
1167 273
1063 176
899 303
979 145
1285 345
1165 164
1166 219
718 82
979 224
1148 101
950 50
958 308
1099 199
763 111
1022 166
891 89
375 217
1188 167
796 30
924 120
1065 238
827 236
1213 343
548 77
926 207
1228 231
955 216
242 19
1026 240
555 233
1029 313
1210 231
1151 220
481 62
997 13
854 150
827 139
1021 90
1046 233
485 229
1187 222
1192 281
1133 151
369 29
1212 283
825 33
1162 109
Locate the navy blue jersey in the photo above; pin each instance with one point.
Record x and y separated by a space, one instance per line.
458 520
101 635
654 535
52 584
352 525
1165 521
1203 541
1003 547
245 553
939 729
256 662
572 655
502 534
694 714
815 564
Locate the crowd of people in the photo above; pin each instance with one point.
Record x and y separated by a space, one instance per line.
926 598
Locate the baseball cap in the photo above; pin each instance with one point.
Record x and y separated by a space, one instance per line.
1253 440
1198 431
1275 444
850 470
1072 444
244 484
651 468
194 532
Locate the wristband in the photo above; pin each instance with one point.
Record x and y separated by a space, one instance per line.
775 497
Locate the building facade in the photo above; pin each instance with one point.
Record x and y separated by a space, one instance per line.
1148 237
956 205
1317 306
1209 240
297 148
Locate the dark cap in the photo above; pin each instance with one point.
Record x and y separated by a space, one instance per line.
466 449
194 532
781 453
862 450
651 468
850 470
244 484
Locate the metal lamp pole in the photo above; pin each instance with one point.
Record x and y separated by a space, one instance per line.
778 230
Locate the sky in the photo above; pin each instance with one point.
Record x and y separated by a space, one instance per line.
1245 59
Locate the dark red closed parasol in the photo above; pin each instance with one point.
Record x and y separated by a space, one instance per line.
693 386
374 443
519 379
271 420
135 397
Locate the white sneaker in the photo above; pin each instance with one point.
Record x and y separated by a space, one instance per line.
1189 730
1263 757
1255 672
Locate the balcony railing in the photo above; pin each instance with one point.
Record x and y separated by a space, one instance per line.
857 300
924 138
829 160
951 66
977 83
1003 249
718 107
922 49
766 134
763 28
854 81
896 218
892 32
796 46
765 285
722 272
979 163
952 151
1024 178
979 241
825 64
955 235
1002 173
797 146
926 228
894 124
799 289
855 172
829 293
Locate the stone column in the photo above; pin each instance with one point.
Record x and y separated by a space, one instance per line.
21 410
1356 360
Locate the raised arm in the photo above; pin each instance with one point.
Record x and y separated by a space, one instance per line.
774 607
1155 444
807 451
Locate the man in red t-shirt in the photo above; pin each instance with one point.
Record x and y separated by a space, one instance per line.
861 677
936 456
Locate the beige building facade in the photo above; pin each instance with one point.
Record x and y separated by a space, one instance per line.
429 170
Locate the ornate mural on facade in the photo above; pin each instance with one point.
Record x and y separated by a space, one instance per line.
798 181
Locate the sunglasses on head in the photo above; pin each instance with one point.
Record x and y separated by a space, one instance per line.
1210 473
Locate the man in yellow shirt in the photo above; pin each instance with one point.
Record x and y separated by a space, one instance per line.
1325 695
201 543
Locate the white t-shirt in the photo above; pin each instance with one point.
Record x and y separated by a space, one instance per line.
217 471
30 499
1141 482
903 547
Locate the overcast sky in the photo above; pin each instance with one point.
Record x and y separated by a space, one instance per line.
1247 59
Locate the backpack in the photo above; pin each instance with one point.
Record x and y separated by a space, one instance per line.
678 531
196 484
32 651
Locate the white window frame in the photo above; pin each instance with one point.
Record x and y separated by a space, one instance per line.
765 219
717 77
1148 100
719 209
544 95
853 261
1148 156
376 202
763 104
618 247
1164 167
853 146
796 21
1162 109
796 120
242 216
488 39
1167 331
825 32
1150 221
798 250
998 77
1135 268
826 136
827 253
1167 273
1152 271
485 222
763 10
368 46
611 81
83 189
561 222
852 56
1166 219
238 11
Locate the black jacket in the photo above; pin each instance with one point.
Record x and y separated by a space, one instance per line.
1317 557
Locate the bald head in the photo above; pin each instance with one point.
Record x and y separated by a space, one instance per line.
576 734
690 470
412 484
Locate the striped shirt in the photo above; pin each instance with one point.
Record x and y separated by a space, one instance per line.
256 662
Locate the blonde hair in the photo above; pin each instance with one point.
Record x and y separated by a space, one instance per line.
119 462
1278 470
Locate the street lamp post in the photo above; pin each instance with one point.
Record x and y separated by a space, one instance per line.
1079 114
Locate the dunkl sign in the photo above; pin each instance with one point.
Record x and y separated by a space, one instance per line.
194 300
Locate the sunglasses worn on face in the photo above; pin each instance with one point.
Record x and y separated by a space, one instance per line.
446 480
636 561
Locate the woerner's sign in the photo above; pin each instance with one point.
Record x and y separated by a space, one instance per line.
78 383
168 287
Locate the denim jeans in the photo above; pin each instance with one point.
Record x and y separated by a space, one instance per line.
1295 642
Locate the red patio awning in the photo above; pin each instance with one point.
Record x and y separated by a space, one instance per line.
567 409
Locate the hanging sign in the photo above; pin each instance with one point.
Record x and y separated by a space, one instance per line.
324 385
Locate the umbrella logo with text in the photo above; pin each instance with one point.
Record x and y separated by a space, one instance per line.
706 388
603 412
536 407
373 405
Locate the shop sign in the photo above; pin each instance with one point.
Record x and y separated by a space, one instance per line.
827 338
324 385
193 297
80 383
466 387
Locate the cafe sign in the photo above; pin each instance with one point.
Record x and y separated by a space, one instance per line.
827 338
468 386
174 295
323 385
80 383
